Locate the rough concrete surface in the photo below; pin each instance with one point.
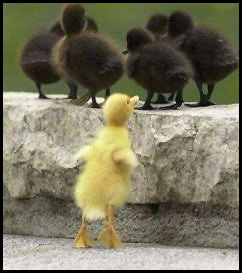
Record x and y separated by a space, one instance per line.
188 164
24 253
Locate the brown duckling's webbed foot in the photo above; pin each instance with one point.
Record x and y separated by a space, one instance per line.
202 103
73 92
41 94
179 102
95 104
204 99
147 105
160 100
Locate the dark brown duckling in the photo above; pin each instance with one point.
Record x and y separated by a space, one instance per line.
157 25
35 59
157 67
210 54
86 58
91 25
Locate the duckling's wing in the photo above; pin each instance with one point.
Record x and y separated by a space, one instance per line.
132 64
125 156
36 58
112 63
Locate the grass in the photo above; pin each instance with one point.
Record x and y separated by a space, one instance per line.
21 20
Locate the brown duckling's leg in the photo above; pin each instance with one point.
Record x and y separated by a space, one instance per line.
41 94
171 97
82 238
210 90
73 91
107 94
204 99
179 101
160 99
108 236
147 105
94 102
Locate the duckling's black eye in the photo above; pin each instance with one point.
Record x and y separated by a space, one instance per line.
127 101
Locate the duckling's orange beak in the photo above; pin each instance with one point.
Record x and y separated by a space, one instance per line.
134 100
125 52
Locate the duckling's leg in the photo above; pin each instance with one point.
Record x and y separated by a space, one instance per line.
108 93
94 102
210 90
82 238
147 105
108 236
171 97
160 99
41 94
73 91
179 101
204 99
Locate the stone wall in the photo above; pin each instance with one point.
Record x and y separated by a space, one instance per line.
188 158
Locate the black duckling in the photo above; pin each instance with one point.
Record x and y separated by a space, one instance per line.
157 67
210 54
35 59
86 58
91 25
157 25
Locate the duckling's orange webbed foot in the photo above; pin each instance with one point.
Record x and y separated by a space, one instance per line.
83 239
109 237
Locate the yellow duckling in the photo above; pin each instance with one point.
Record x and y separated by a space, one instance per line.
104 184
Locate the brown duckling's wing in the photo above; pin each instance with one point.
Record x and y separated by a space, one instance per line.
34 58
207 47
131 65
111 64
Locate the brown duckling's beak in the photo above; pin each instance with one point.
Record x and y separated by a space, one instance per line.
126 52
134 100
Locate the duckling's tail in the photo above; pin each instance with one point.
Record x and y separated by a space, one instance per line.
94 214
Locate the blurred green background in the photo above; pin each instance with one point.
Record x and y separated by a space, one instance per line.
22 20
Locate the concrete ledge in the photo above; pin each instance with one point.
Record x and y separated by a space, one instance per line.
187 157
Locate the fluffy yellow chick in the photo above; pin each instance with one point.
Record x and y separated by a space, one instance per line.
104 184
